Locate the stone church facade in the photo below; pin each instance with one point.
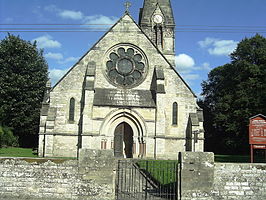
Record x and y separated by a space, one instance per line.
125 95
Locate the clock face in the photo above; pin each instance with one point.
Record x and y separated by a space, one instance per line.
158 19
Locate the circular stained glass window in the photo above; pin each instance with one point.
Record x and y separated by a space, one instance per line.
125 67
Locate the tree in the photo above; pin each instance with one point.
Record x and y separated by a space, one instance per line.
23 76
233 93
7 138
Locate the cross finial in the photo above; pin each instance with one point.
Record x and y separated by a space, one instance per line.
127 5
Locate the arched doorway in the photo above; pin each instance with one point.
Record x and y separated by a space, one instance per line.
123 141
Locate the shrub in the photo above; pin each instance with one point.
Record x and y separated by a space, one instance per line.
7 138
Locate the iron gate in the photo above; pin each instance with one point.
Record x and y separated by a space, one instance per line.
146 180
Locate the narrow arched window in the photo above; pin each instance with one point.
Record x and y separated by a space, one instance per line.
158 35
161 33
175 113
72 109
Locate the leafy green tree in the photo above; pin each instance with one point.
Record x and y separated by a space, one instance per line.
23 75
7 138
233 93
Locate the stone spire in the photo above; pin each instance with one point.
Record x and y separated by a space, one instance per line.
157 20
149 6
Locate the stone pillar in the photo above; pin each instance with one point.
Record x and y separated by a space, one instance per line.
41 145
87 105
160 114
195 175
99 167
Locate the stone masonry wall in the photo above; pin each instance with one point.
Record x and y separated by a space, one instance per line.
202 179
239 181
93 177
60 136
42 179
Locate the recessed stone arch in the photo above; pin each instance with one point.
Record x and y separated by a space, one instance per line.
114 118
123 141
132 118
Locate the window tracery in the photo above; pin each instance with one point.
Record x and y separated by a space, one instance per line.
126 66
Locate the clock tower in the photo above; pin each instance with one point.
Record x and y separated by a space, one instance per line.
157 21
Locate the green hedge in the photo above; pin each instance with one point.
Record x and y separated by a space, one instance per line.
7 139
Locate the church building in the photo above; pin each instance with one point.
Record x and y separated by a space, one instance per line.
125 95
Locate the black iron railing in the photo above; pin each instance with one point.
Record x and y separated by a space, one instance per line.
146 180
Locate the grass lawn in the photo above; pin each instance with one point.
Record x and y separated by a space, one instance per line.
17 152
156 168
28 155
163 171
239 158
27 152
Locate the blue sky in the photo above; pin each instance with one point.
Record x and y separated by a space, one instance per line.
220 26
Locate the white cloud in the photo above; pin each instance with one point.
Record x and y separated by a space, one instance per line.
78 15
60 58
69 59
207 42
188 69
218 47
54 56
205 66
223 47
69 14
191 77
184 63
65 14
47 42
99 19
56 74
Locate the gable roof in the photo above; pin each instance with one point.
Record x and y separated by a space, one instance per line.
258 115
158 51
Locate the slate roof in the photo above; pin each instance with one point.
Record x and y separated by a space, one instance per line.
258 115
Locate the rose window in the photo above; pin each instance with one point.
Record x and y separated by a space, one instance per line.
125 67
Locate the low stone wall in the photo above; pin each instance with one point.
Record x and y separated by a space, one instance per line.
202 179
240 181
93 177
40 179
